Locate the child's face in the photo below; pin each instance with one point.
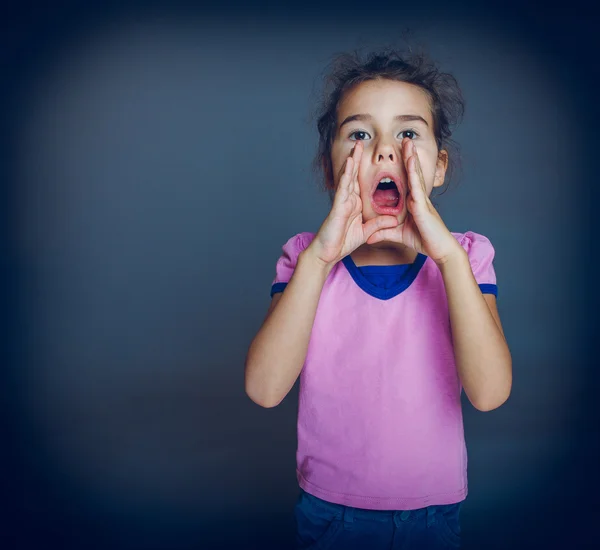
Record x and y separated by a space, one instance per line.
378 103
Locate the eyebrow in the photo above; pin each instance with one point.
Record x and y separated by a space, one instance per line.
402 118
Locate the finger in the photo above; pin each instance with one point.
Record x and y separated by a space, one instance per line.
342 190
414 180
358 151
406 150
419 168
409 150
405 158
347 175
379 223
385 235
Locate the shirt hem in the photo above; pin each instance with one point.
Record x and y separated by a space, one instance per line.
381 503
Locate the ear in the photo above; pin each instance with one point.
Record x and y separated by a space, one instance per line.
440 168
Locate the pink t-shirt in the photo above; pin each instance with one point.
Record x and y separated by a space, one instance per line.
379 419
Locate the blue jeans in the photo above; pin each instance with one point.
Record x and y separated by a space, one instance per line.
326 526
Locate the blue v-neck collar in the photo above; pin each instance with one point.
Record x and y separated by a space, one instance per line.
385 293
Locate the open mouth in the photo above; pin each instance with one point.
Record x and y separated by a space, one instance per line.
386 198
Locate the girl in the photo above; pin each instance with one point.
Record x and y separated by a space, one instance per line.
386 316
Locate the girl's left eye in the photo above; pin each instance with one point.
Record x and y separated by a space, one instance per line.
409 132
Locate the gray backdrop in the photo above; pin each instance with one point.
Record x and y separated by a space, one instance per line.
160 159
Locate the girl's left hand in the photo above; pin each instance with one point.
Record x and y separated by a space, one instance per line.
423 229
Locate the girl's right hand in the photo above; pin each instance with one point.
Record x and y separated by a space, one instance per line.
343 231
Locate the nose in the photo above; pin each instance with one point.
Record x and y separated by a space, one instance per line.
385 152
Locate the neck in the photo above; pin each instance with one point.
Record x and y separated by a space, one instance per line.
383 253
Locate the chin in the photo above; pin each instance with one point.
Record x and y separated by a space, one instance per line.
400 216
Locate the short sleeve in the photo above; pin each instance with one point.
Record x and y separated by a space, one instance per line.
287 261
481 256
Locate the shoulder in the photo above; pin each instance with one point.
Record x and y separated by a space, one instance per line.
289 257
481 253
470 238
475 244
296 244
299 241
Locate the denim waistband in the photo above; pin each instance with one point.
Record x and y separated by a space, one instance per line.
348 513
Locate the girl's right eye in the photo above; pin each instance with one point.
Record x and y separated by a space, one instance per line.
359 132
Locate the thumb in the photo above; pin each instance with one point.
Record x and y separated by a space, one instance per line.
377 224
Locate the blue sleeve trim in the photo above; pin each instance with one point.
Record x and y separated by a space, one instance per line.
277 287
489 289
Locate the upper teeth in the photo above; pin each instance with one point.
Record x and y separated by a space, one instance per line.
386 180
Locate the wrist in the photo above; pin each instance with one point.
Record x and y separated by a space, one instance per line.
456 259
309 257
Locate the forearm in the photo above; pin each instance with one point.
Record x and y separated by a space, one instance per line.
277 353
482 355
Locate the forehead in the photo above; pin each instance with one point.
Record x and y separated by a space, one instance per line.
384 99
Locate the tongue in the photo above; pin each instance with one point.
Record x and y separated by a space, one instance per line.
389 197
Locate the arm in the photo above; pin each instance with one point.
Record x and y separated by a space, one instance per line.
278 351
482 356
